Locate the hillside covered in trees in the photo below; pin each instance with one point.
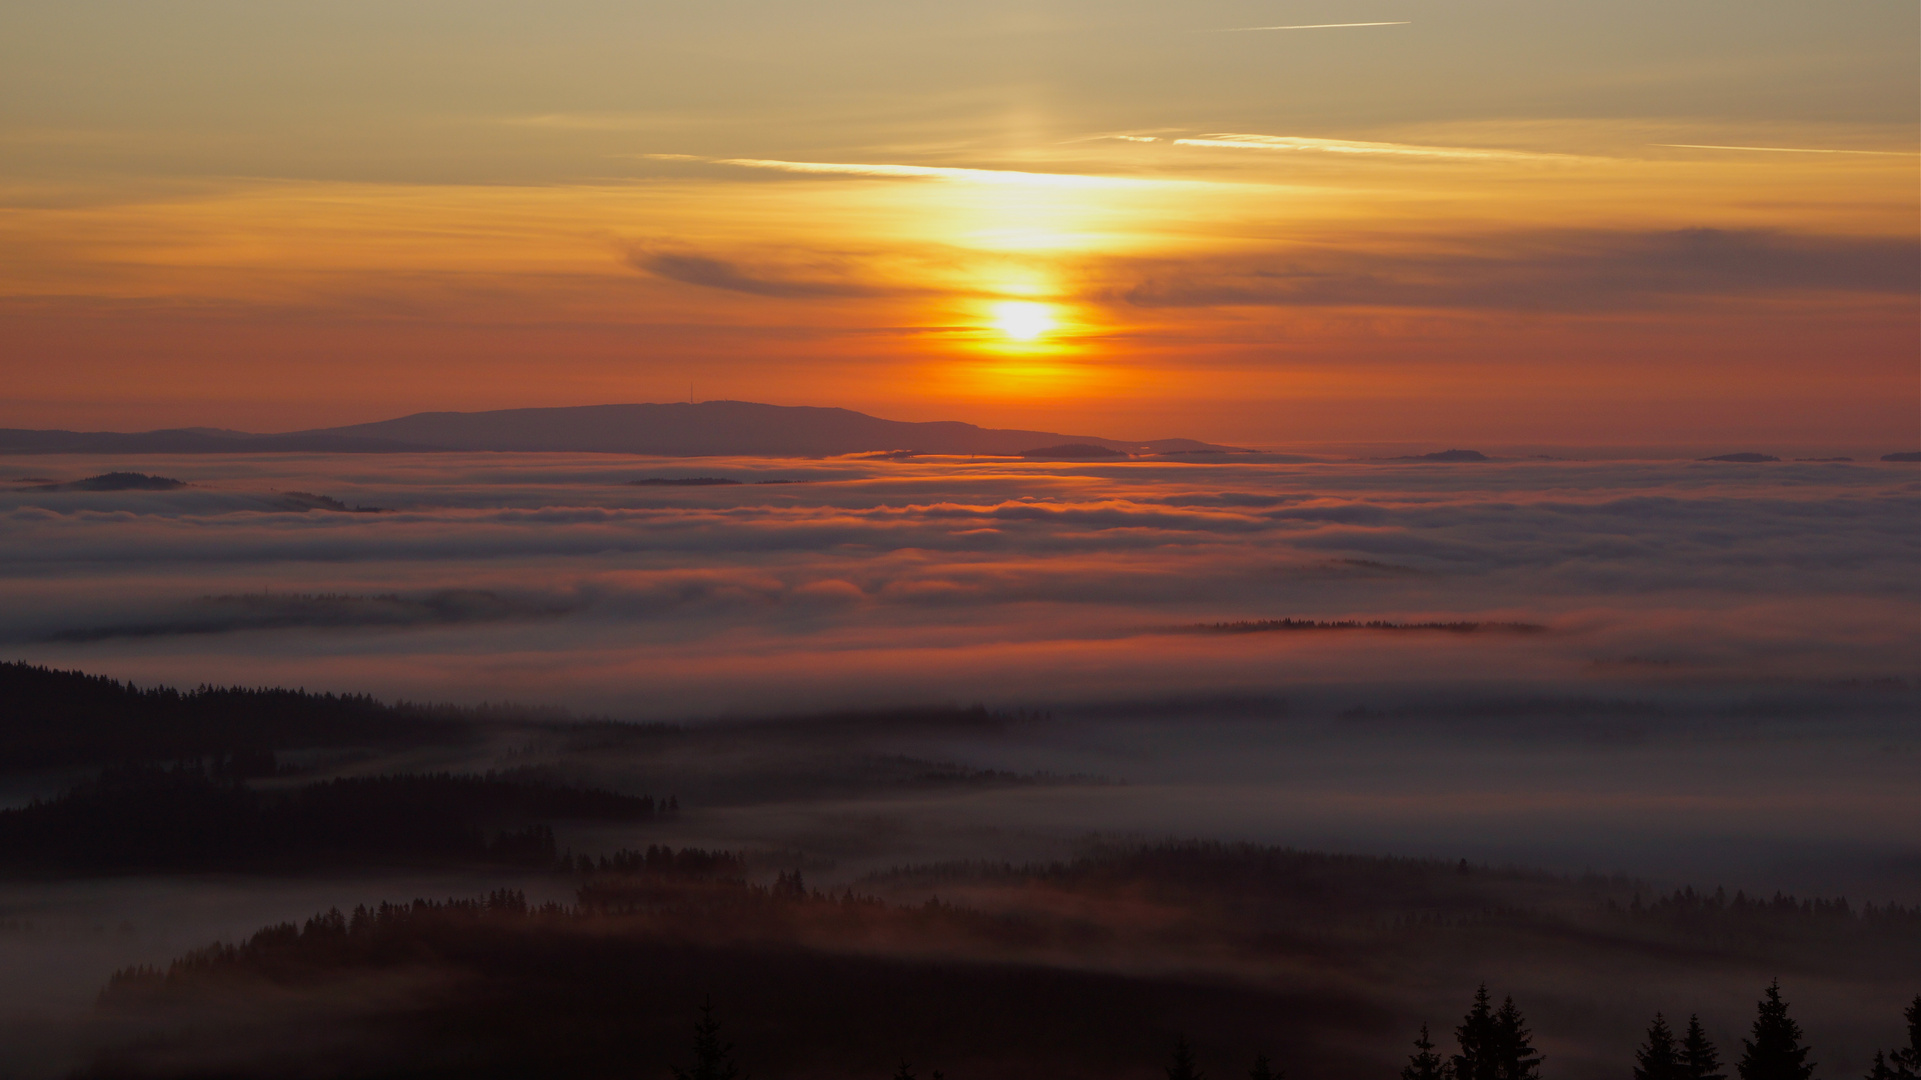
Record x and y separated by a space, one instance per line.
1325 965
65 718
186 817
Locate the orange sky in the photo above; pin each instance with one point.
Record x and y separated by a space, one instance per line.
1497 221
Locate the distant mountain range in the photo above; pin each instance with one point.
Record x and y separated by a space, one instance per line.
673 430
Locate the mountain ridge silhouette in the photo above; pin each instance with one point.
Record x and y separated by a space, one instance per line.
678 429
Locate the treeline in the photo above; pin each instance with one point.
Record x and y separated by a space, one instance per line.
875 997
1399 892
195 817
52 719
1688 909
525 989
1493 1044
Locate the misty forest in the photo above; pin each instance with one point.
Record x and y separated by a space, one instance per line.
592 940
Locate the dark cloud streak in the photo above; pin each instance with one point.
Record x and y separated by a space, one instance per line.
1559 271
712 273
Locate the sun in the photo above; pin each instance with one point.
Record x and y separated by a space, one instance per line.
1023 320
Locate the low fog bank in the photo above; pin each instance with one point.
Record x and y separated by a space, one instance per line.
872 582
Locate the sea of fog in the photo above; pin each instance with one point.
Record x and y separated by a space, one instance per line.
1719 685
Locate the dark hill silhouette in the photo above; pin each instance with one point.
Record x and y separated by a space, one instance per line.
1075 452
1744 458
117 481
669 430
145 818
61 718
1444 455
707 428
1905 455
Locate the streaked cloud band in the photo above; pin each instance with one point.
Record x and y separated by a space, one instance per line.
1234 141
1786 149
1311 26
919 172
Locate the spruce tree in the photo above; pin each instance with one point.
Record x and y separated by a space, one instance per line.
1907 1063
1425 1064
1699 1059
1660 1058
1183 1067
712 1058
1476 1037
1515 1057
905 1072
1775 1052
1902 1063
1262 1070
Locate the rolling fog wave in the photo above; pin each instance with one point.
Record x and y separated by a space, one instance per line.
546 576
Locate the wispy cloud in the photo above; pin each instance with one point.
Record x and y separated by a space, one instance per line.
712 273
1308 26
1784 149
1295 143
1564 271
919 172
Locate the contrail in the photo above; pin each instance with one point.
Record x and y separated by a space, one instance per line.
1311 26
1781 149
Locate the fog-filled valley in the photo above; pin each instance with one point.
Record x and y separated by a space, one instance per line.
973 763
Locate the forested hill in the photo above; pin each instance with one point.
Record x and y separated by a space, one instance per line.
54 718
144 818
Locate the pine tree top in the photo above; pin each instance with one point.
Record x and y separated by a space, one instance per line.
1775 1050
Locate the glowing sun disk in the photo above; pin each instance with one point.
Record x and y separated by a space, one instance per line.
1023 320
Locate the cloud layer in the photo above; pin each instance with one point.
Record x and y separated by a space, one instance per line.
546 577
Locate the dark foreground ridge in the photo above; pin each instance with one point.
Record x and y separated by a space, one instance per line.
999 975
196 817
679 429
65 718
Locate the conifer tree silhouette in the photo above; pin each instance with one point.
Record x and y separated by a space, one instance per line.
1907 1063
712 1058
1775 1052
1515 1057
1699 1059
1903 1063
1263 1070
1659 1058
1183 1067
1494 1045
1475 1061
905 1072
1425 1064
